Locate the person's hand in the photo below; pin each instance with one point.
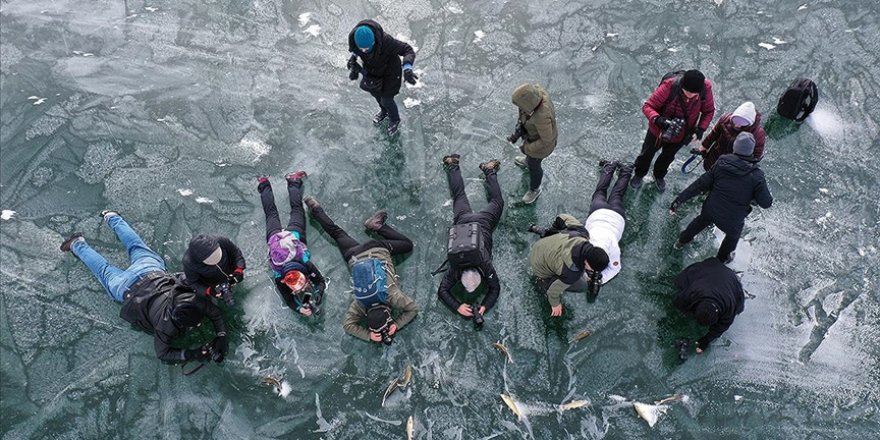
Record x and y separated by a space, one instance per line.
237 275
410 77
220 344
698 133
482 310
392 329
305 311
375 337
699 149
699 350
673 208
556 310
661 122
352 62
671 212
465 310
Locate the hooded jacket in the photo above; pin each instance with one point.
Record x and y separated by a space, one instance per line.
558 259
400 304
452 278
697 112
723 135
538 117
147 306
383 60
732 185
201 277
710 280
295 300
606 229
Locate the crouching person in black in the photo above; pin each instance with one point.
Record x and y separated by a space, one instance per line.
213 265
470 254
377 293
153 300
711 293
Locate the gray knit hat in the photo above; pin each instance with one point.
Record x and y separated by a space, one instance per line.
744 145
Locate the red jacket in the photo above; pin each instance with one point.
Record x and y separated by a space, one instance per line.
724 133
698 114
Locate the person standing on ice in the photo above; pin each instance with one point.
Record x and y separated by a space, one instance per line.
381 70
536 126
719 141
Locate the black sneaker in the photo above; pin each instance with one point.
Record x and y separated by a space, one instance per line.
377 220
65 246
379 117
661 184
392 128
636 182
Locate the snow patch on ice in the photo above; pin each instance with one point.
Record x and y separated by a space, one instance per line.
304 18
767 46
151 9
479 34
185 191
313 30
37 100
410 102
611 34
455 8
7 214
827 123
285 389
401 217
252 142
778 41
672 49
802 7
203 200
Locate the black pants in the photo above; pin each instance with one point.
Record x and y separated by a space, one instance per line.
728 245
536 173
614 202
489 216
387 104
649 149
394 241
297 213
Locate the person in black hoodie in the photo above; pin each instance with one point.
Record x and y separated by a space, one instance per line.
733 183
471 278
380 54
153 300
711 293
212 265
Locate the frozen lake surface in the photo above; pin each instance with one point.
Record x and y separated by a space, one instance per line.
167 111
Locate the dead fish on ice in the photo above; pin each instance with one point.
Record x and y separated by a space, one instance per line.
271 381
400 382
650 412
672 398
512 405
407 376
580 335
574 404
409 428
500 347
391 387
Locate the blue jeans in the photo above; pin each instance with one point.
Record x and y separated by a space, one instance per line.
115 280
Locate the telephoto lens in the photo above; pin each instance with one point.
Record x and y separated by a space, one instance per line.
671 132
386 338
478 317
225 291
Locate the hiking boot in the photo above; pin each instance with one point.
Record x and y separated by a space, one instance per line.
377 220
65 246
311 202
613 164
490 166
392 128
451 159
625 168
677 245
106 214
531 196
520 161
262 183
636 182
297 176
379 117
661 184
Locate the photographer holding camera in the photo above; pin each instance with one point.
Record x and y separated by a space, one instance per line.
536 126
213 265
469 252
678 111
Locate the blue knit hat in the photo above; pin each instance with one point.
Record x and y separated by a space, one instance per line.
364 37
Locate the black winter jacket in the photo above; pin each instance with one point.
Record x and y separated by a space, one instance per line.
384 60
295 301
147 306
452 277
201 277
732 184
710 280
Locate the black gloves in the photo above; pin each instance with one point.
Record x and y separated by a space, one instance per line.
353 67
518 133
661 122
698 132
410 77
237 276
220 345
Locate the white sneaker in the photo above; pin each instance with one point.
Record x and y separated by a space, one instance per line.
531 196
520 161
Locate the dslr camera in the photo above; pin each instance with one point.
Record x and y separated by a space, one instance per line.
386 338
672 131
595 282
310 303
224 290
477 316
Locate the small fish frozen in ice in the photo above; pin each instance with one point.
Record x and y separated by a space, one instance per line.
407 377
580 335
650 412
391 387
511 403
672 398
574 404
500 347
410 429
7 214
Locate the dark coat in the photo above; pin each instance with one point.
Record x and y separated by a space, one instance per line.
452 277
697 112
147 306
732 185
384 60
710 280
295 301
723 135
201 277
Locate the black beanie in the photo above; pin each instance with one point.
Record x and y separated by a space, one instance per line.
378 316
187 314
597 258
693 81
706 313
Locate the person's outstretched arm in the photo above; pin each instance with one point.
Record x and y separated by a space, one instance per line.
444 291
352 324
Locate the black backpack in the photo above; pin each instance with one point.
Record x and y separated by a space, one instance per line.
466 247
799 100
